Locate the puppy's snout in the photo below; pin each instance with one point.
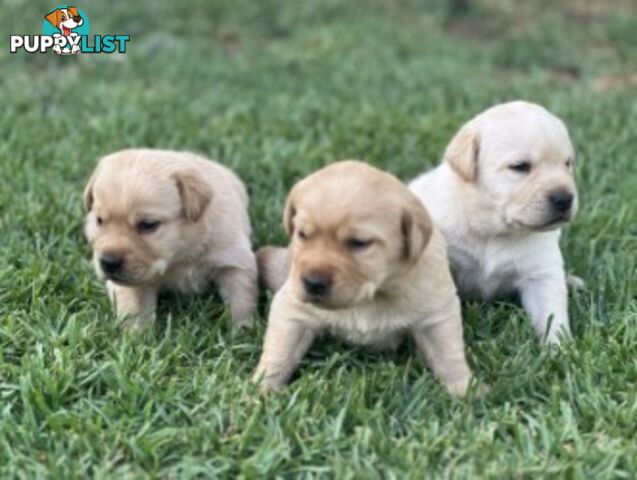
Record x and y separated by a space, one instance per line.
317 284
561 200
77 19
111 263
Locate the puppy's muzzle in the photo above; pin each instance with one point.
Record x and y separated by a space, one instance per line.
561 201
317 284
77 19
111 264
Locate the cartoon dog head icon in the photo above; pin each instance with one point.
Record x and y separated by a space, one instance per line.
66 19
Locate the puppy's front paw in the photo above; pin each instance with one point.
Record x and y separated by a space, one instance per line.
268 388
246 321
556 336
267 383
75 49
138 323
470 386
575 282
57 49
458 388
479 389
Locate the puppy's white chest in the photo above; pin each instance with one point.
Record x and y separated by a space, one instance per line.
380 326
487 269
189 279
483 272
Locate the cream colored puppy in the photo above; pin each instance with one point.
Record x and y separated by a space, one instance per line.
500 196
367 265
169 220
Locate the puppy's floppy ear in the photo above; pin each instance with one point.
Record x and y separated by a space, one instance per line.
462 152
73 11
416 228
54 17
288 214
88 191
195 194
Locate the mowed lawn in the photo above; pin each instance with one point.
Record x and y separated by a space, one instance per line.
276 90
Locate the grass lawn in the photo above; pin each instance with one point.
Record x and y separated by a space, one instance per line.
276 90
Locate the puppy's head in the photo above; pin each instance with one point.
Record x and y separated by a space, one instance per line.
68 17
354 230
517 159
144 211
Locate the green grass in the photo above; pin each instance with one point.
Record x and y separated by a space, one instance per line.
276 90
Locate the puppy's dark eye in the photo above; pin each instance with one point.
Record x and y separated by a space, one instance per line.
521 167
99 220
147 226
302 235
569 163
357 244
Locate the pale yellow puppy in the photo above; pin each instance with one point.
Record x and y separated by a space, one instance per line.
367 265
162 220
500 197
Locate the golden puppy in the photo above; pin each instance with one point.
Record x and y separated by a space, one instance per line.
169 220
366 264
500 196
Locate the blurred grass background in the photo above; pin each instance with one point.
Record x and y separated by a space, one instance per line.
276 89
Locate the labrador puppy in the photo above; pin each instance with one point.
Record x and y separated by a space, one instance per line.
162 220
367 265
500 196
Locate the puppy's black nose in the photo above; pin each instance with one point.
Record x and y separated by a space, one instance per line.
111 263
317 284
561 201
77 19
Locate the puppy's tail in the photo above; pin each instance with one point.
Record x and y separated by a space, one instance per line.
274 265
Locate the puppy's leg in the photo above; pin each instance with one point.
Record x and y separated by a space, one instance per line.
546 302
136 304
442 347
286 342
274 266
239 288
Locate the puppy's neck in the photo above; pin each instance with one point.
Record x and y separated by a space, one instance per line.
394 286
